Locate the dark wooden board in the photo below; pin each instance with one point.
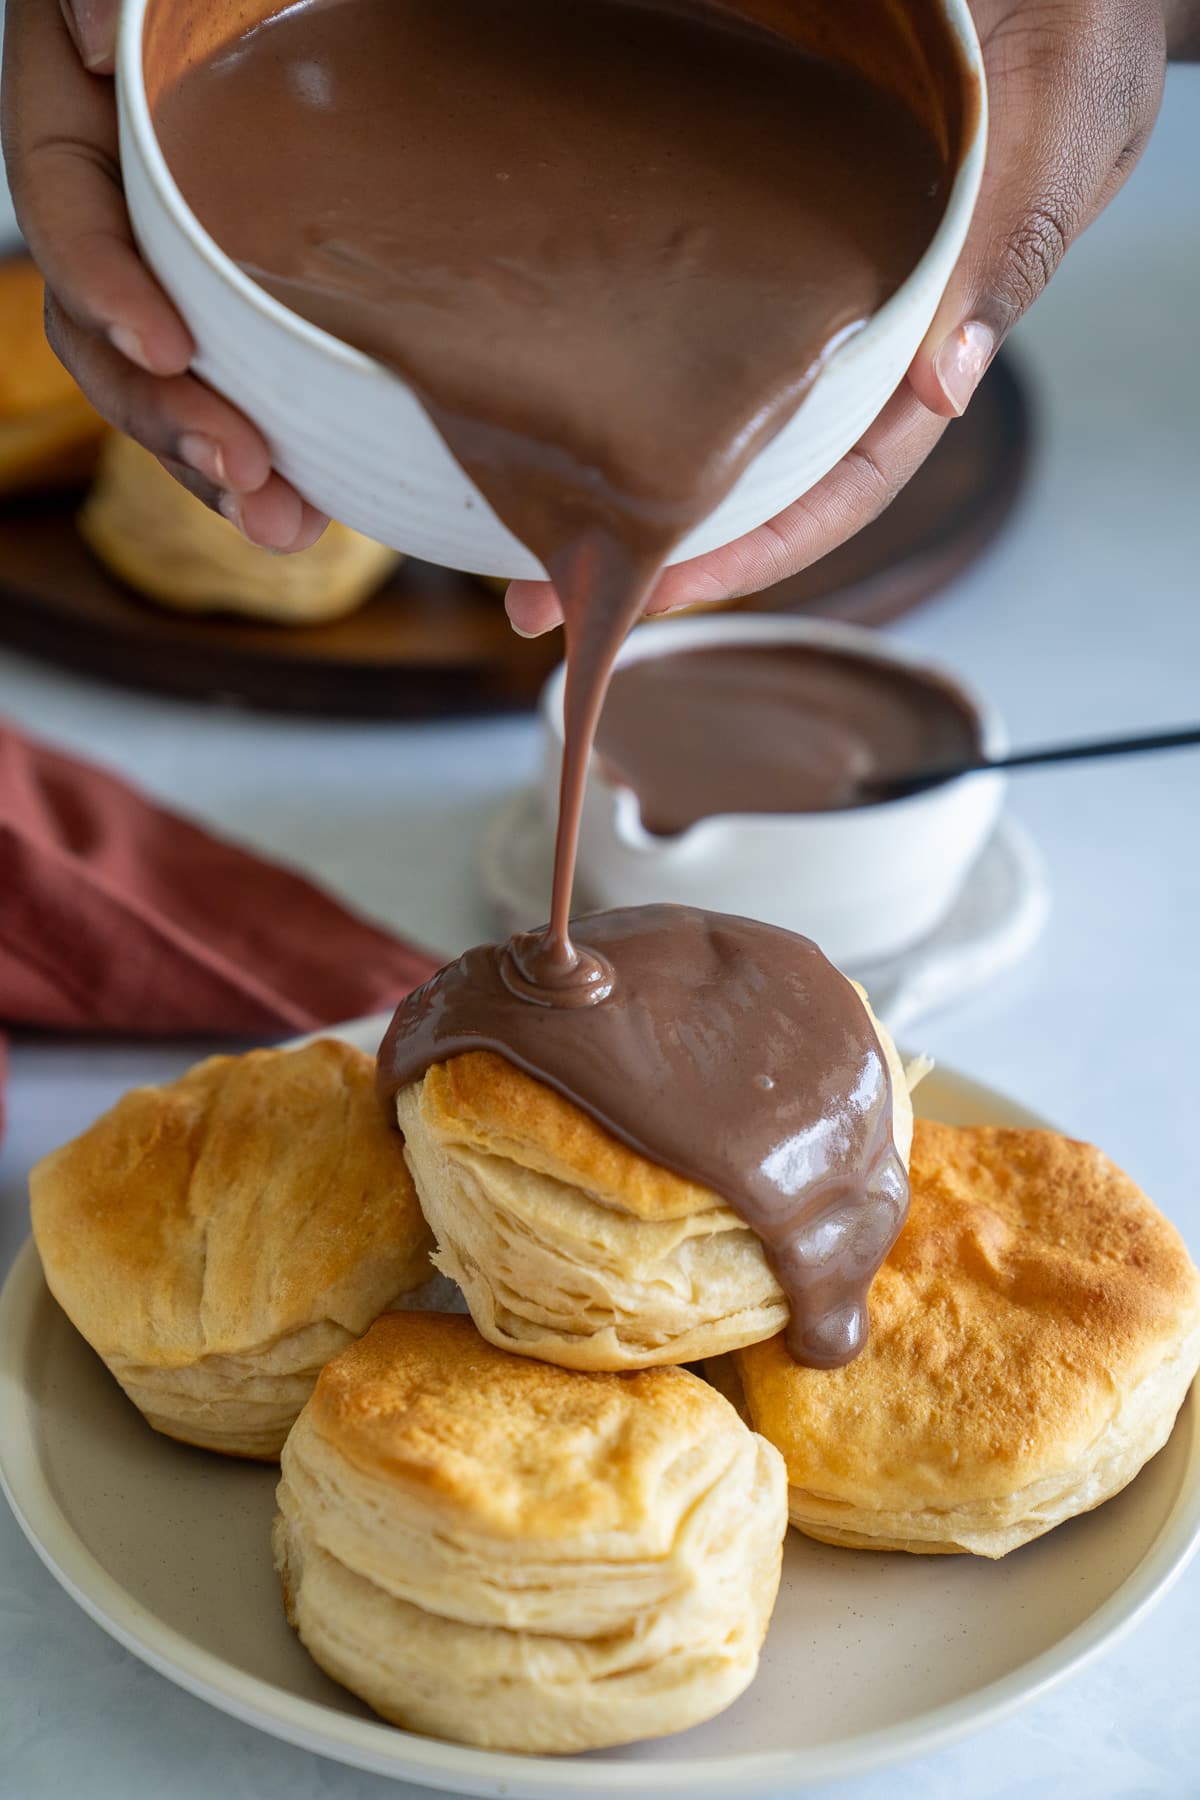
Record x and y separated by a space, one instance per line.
435 643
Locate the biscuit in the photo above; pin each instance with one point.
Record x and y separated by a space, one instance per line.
49 434
218 1239
1034 1332
572 1247
489 1549
161 540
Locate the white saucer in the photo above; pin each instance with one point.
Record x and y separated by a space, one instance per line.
870 1658
994 923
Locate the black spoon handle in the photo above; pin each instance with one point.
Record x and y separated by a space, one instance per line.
893 787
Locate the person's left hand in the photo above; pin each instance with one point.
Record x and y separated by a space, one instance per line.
107 319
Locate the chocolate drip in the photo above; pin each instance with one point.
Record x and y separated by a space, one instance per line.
729 1051
772 728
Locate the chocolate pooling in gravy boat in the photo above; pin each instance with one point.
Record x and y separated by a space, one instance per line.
610 246
773 728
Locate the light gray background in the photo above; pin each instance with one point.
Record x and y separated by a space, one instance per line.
1085 619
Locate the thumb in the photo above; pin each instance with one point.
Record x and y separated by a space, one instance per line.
1074 91
93 26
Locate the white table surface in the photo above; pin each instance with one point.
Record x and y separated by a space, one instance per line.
1084 619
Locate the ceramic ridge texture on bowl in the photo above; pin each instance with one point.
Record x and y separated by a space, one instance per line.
357 443
865 883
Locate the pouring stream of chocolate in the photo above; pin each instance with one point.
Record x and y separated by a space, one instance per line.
609 245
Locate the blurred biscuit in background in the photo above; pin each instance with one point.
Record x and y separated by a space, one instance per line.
49 434
156 537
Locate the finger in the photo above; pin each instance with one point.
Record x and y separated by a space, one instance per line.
533 608
93 26
853 494
60 142
275 518
197 485
190 429
176 416
1073 93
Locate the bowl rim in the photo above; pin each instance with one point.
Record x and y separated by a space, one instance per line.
135 110
657 637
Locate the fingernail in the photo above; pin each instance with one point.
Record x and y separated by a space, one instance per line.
68 13
961 361
527 635
205 455
127 341
94 28
230 507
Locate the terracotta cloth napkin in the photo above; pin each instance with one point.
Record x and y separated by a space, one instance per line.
117 915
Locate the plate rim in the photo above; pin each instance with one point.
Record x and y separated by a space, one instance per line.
389 1751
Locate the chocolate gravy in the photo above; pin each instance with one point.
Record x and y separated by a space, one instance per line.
773 728
729 1051
609 244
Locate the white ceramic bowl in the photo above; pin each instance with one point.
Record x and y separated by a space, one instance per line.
358 444
864 883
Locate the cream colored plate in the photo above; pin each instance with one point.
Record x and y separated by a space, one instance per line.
870 1658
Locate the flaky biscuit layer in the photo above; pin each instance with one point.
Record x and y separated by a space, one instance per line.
572 1247
509 1554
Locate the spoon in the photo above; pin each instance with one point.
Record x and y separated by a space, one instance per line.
895 787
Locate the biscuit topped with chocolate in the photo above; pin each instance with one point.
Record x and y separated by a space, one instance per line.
711 1150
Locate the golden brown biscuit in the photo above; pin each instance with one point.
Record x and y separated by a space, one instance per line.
489 1549
164 542
1033 1335
49 434
568 1245
217 1240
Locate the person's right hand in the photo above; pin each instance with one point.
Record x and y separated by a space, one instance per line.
1073 88
106 316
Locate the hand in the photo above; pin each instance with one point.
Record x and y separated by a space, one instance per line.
106 316
1074 88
